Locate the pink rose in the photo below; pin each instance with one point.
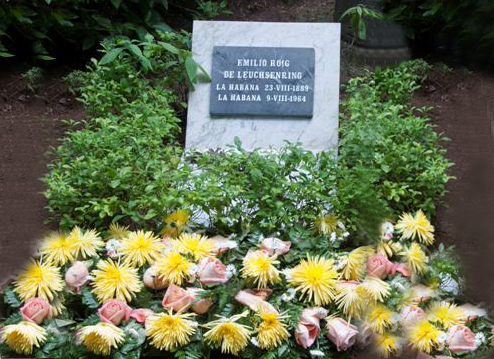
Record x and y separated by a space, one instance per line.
177 298
341 333
378 266
253 301
461 339
212 271
151 280
411 315
309 326
114 311
200 306
273 245
36 310
223 244
77 275
141 314
260 292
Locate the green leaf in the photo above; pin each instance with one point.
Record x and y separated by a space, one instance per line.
116 3
11 298
44 57
110 56
362 30
89 299
169 47
6 54
191 68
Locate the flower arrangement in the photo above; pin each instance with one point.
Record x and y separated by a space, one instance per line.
187 294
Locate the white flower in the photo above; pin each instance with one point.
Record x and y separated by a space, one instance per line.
112 247
289 295
316 353
442 337
345 234
341 225
448 284
387 231
480 339
339 264
287 272
254 341
333 237
230 271
193 269
132 332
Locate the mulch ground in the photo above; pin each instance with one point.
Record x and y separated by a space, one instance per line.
29 125
463 109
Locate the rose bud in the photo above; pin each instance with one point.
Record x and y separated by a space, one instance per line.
77 276
202 305
212 271
114 311
274 245
341 333
411 315
177 298
253 301
151 280
141 314
309 326
36 310
461 339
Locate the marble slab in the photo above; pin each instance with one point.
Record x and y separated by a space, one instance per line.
210 129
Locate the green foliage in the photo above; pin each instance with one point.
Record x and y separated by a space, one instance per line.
81 24
382 133
32 78
468 24
11 298
356 15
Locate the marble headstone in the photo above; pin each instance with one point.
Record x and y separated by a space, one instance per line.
271 83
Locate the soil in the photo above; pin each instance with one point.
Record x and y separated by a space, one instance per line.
463 109
29 124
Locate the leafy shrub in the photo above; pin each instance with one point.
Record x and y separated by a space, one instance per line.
119 164
380 131
52 24
467 24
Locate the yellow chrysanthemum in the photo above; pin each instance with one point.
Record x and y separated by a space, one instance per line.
117 231
448 314
140 247
58 248
196 245
39 279
354 263
259 266
271 332
175 222
315 278
326 224
376 288
23 337
169 331
85 244
231 336
351 298
416 227
379 318
415 257
172 268
424 336
115 280
388 249
387 344
101 338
